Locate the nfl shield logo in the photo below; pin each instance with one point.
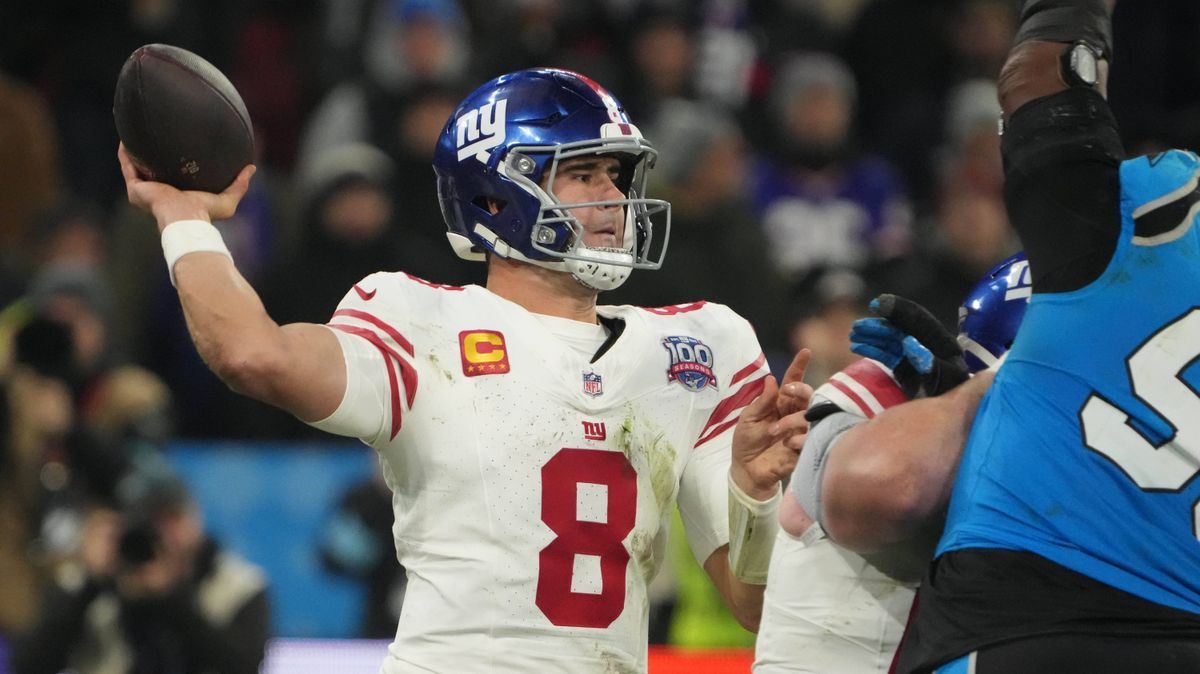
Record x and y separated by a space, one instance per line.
593 385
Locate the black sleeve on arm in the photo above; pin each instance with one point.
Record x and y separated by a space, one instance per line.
1062 156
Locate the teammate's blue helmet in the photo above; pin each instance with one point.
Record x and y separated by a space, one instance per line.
505 141
991 313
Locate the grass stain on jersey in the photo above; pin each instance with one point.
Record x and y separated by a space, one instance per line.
437 367
652 456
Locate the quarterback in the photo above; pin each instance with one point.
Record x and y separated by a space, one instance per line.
534 441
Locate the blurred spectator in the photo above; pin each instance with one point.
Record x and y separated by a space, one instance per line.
349 231
969 230
150 592
36 416
270 64
803 25
70 233
112 400
418 212
969 157
357 543
661 57
522 33
832 299
716 249
77 296
907 54
32 181
410 44
822 201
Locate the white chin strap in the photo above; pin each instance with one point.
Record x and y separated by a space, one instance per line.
606 268
608 271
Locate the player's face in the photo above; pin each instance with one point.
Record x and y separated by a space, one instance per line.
593 179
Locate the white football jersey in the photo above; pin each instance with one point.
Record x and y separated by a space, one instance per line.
532 486
826 609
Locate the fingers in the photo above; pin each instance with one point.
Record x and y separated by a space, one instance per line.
241 184
794 394
128 172
875 330
793 398
787 425
763 406
225 204
878 339
914 319
795 371
916 354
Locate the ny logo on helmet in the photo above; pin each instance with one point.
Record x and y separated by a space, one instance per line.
481 130
1020 281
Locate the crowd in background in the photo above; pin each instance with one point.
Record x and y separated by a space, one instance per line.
815 152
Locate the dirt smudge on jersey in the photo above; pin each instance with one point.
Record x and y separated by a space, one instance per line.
652 456
642 545
437 366
612 663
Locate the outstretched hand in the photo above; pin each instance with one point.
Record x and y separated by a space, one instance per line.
770 432
169 204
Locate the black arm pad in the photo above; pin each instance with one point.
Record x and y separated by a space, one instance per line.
1062 156
1067 21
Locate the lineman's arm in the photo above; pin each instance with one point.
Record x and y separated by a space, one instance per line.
888 478
297 367
1061 147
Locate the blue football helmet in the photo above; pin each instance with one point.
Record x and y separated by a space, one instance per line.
991 313
503 146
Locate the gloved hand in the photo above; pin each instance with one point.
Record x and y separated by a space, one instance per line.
923 355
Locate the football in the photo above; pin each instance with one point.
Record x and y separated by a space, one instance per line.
182 121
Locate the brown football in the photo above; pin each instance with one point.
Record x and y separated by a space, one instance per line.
182 121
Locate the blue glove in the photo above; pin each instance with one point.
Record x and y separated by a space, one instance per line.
922 354
878 339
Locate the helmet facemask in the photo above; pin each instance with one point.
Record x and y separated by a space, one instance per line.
559 235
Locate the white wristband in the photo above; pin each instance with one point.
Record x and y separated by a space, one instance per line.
752 528
190 236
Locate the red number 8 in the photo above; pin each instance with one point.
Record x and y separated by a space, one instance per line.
561 477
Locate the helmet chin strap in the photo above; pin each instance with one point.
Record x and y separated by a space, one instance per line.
605 272
610 267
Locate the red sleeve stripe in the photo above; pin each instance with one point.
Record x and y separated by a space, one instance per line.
388 354
721 428
864 385
749 369
373 320
873 377
734 403
865 403
407 373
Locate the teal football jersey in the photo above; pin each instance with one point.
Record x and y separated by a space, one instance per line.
1086 448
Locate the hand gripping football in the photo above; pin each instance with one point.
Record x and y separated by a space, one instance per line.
181 120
